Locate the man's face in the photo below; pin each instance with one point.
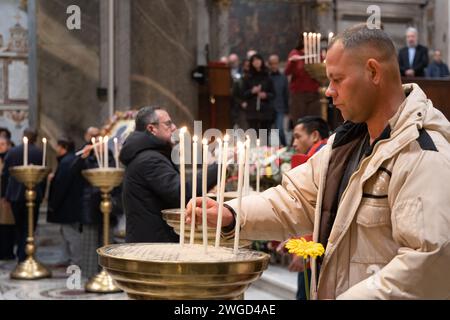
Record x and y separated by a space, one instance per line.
91 133
233 61
4 146
303 141
164 128
274 64
60 151
411 39
350 87
437 56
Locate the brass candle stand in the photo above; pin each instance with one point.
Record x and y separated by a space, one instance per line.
168 271
318 71
30 176
106 180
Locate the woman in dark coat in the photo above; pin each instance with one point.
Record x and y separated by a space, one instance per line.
259 92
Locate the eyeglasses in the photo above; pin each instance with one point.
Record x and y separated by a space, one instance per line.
168 123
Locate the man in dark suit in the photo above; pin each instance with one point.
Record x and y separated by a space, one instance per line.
15 191
413 59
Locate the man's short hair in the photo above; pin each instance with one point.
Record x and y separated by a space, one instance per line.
66 143
360 35
31 134
4 132
313 123
412 29
146 116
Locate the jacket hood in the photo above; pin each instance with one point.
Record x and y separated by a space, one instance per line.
141 141
417 110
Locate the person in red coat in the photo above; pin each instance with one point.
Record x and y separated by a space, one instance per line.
304 91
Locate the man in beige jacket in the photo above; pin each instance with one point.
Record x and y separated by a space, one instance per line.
376 196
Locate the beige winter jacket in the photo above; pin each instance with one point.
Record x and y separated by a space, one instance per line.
392 244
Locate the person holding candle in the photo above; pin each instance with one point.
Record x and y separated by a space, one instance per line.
152 179
14 191
375 195
304 90
64 200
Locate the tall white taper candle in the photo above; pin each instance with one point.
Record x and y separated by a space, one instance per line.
25 151
204 193
221 190
305 45
106 151
219 167
116 152
182 186
241 153
44 151
194 186
258 166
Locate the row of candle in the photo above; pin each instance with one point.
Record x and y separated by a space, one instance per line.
25 151
313 46
243 175
101 151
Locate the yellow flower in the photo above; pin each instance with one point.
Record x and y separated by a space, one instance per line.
305 249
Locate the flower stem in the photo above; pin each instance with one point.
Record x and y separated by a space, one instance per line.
305 274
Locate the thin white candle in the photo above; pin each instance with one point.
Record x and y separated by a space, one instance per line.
182 186
247 167
194 186
219 167
106 150
330 37
314 45
311 48
258 166
221 190
241 153
25 151
44 152
319 55
94 144
204 192
116 152
305 45
100 151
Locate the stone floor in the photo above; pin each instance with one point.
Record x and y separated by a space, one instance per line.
276 283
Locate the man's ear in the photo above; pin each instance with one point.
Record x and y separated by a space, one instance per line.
151 129
373 69
315 136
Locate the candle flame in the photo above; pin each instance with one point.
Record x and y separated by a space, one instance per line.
44 140
205 141
226 138
25 139
258 143
183 131
115 140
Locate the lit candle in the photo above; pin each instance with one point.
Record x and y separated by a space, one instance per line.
219 167
106 149
44 154
314 47
204 192
258 166
319 55
310 46
330 37
94 144
221 190
305 45
241 153
116 152
247 167
100 151
182 186
25 151
194 187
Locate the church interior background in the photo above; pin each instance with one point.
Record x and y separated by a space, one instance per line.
56 79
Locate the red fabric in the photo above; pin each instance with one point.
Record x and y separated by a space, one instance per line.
298 159
301 81
316 147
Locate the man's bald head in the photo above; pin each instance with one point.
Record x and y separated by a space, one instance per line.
365 43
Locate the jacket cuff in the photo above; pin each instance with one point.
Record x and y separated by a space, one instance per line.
229 231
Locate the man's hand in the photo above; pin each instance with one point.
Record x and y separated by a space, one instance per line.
87 151
295 58
296 264
262 95
410 73
256 89
212 210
